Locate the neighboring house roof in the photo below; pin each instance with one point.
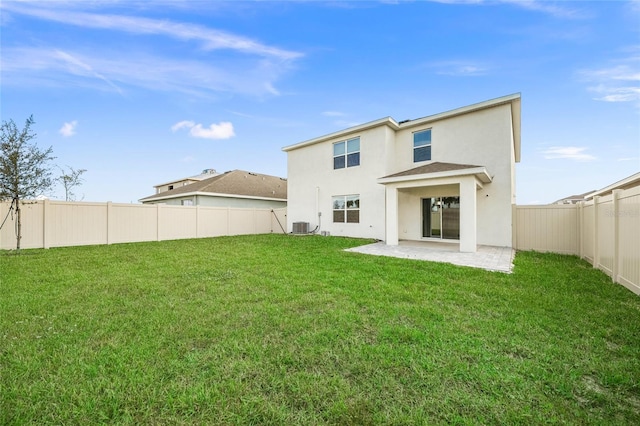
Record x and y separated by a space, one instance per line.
438 169
626 183
206 173
236 183
514 100
572 199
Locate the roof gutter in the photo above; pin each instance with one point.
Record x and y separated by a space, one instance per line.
209 194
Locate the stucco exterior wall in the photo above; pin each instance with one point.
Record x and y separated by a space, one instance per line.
312 182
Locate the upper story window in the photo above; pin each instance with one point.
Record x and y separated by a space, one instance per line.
346 153
422 146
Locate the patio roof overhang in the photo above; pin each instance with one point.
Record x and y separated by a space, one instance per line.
438 170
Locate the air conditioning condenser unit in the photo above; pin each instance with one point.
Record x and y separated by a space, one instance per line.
300 227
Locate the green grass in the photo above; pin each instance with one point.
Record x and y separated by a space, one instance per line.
275 329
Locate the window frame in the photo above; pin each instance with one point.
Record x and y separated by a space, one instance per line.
347 156
422 146
349 208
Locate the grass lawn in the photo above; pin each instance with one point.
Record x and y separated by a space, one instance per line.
275 329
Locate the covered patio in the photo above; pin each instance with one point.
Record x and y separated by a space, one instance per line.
406 190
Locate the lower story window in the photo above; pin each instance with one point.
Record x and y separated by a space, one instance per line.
346 209
187 202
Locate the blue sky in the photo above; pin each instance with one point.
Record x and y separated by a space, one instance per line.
143 92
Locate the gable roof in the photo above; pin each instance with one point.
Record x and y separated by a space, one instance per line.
513 100
236 183
437 170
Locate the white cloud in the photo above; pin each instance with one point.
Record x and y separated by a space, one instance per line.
210 38
459 68
182 124
567 152
223 130
619 82
107 71
68 129
333 114
551 8
252 67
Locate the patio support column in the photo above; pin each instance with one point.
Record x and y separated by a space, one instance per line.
391 224
468 220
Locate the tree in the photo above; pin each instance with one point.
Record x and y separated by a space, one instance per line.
69 180
24 168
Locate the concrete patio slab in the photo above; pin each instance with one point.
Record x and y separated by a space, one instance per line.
487 257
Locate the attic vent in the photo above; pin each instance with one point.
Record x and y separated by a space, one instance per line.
300 227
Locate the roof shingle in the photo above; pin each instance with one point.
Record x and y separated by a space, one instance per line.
236 182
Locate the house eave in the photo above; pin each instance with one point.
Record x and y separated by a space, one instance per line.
513 99
388 121
210 194
480 173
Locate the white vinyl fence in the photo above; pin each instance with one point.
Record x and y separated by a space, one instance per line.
604 231
59 223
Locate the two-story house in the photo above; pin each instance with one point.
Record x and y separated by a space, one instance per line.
445 177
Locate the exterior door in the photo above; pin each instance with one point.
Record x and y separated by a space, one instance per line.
441 217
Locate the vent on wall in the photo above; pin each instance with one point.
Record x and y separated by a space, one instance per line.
300 227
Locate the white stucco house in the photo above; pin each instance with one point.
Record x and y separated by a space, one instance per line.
445 177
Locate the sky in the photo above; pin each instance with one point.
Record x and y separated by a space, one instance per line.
140 93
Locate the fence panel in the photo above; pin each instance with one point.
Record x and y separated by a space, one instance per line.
605 231
628 215
279 220
177 222
74 224
586 232
551 228
605 237
130 223
213 221
60 223
32 213
242 222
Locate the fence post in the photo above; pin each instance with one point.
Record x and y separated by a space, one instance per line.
616 267
580 221
46 213
596 245
109 224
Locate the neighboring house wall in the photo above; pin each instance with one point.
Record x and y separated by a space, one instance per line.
222 201
236 188
174 185
482 137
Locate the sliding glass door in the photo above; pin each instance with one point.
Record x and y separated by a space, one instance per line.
441 217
